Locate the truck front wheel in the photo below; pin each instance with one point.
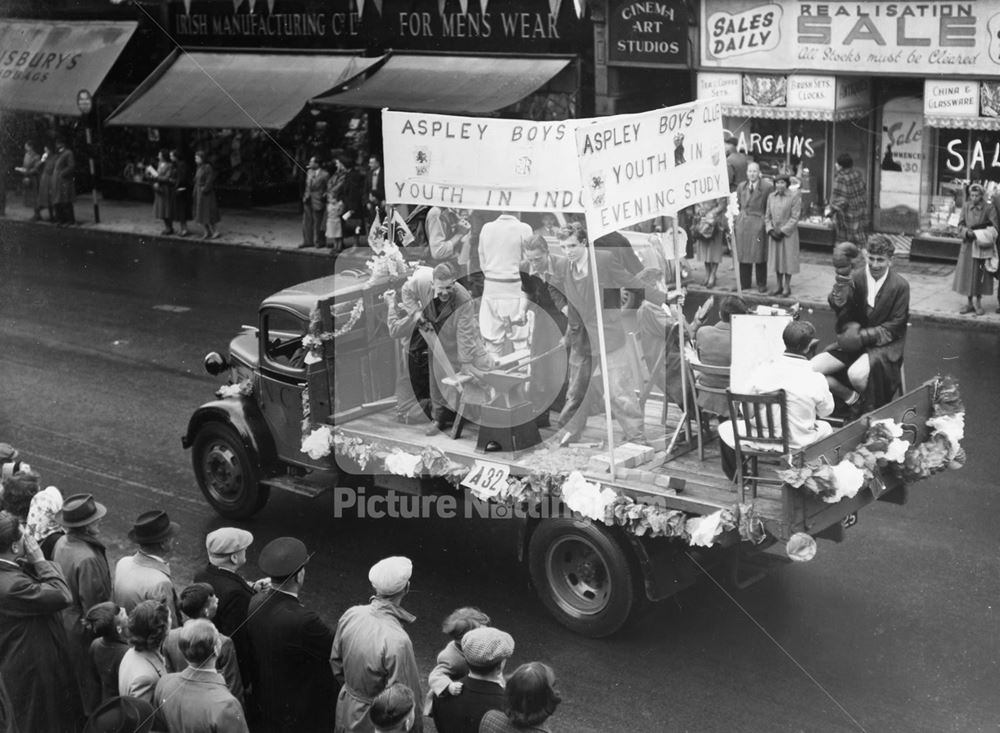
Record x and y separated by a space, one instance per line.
226 475
582 575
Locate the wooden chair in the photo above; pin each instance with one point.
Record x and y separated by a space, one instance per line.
719 372
756 433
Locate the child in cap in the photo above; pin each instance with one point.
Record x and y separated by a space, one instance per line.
451 664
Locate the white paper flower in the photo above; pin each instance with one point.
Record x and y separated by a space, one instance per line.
892 427
402 464
228 390
704 530
586 498
953 427
896 451
317 444
847 479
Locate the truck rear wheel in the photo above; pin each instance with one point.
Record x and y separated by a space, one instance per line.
226 475
582 575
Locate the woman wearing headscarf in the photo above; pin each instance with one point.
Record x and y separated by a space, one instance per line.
42 522
978 222
781 220
709 233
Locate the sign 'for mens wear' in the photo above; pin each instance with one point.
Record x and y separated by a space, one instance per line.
648 33
915 38
480 163
636 167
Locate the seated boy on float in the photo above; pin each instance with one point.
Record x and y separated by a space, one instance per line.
872 305
807 395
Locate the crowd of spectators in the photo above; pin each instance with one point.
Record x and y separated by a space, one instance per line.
85 648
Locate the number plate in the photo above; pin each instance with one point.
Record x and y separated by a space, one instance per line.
486 478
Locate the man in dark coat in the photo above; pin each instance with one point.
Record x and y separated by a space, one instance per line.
374 187
84 563
486 650
227 553
63 186
292 681
314 205
872 305
35 664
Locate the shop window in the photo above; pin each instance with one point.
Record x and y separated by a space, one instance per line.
796 147
959 157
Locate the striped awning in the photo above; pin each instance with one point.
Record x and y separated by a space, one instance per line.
962 123
793 113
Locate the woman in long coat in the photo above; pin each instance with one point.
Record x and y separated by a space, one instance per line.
164 183
44 200
206 208
782 223
34 658
709 232
182 191
971 278
31 169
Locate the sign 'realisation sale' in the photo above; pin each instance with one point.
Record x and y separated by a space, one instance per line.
954 38
480 163
636 167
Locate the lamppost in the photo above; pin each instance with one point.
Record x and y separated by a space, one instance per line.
85 103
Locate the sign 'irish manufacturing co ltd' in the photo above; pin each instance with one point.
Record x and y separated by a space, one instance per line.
917 38
648 33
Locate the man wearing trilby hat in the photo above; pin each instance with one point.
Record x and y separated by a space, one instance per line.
371 650
292 684
81 556
146 574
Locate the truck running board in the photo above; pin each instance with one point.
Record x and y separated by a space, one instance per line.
295 486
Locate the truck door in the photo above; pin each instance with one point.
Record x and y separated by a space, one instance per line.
283 379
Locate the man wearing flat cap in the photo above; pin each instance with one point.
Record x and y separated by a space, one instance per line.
486 650
292 684
122 715
145 576
372 650
35 663
227 553
81 556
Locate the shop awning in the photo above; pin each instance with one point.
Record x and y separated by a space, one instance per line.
962 123
44 65
456 84
789 113
235 90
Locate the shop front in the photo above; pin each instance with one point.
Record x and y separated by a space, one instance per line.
796 124
962 119
888 111
46 66
264 85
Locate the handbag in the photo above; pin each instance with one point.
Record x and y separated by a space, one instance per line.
986 238
705 228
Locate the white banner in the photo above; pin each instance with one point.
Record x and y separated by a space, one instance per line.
636 167
480 163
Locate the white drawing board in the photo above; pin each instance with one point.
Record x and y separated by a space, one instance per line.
756 340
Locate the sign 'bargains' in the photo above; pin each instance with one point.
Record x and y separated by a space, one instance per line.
636 167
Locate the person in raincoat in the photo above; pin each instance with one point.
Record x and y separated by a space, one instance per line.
35 663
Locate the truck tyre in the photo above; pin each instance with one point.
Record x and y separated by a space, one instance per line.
226 475
582 575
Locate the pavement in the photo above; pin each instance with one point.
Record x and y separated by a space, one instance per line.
279 228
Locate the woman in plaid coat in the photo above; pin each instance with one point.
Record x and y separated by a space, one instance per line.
849 203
